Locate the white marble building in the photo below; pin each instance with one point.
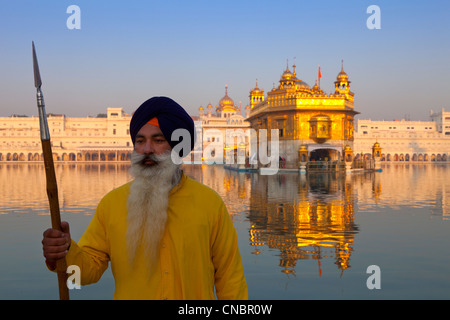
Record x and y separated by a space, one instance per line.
403 140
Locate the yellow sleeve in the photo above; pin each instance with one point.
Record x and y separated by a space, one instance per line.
229 273
91 253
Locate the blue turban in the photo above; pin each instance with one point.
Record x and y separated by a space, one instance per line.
170 115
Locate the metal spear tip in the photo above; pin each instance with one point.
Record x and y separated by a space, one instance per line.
37 75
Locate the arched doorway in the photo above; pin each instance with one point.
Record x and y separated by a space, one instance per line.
319 155
324 155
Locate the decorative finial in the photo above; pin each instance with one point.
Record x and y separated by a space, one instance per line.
342 65
226 89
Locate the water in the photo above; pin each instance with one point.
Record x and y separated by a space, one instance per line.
301 237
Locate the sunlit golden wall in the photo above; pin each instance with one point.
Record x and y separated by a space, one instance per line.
304 114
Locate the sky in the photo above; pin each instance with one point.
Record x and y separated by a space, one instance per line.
128 51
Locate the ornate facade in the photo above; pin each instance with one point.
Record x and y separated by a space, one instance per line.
310 122
73 139
403 140
224 133
306 116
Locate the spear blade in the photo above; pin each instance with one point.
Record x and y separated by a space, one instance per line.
37 74
43 125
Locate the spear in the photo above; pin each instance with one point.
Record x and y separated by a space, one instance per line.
52 188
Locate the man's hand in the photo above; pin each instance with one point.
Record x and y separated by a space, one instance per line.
55 244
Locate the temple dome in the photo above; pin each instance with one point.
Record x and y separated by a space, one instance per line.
256 89
287 75
302 84
226 103
342 76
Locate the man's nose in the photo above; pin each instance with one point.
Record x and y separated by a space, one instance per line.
148 148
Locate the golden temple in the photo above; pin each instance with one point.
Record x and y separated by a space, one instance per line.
306 116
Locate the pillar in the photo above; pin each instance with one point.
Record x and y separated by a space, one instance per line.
348 158
376 155
303 158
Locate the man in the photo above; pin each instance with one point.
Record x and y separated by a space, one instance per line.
166 235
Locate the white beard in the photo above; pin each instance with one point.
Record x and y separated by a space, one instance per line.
148 202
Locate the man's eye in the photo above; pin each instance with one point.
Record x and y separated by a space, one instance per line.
139 141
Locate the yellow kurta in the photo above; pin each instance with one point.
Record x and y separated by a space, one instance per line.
199 249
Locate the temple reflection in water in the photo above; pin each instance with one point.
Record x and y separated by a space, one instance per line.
289 217
304 217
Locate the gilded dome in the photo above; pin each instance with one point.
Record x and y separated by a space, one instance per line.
256 89
302 84
342 75
289 78
287 75
226 103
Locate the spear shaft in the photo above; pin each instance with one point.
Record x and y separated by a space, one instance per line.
52 187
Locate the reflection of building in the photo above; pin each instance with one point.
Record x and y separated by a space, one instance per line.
233 187
445 202
306 115
404 140
305 217
405 185
80 186
225 131
104 138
